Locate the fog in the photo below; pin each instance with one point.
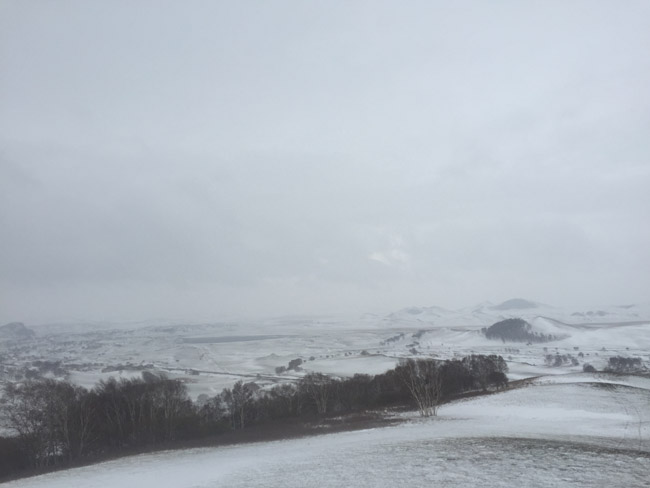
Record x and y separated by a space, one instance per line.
199 160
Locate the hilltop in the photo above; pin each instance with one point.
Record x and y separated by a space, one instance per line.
16 331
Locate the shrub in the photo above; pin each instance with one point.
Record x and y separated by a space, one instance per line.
620 364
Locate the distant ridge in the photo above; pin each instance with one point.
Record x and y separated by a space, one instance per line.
487 313
516 304
16 331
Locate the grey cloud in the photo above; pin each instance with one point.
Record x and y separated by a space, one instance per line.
212 158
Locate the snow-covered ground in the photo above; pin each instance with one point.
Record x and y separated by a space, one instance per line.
209 357
559 428
574 430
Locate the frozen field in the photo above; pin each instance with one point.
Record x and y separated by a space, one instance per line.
561 428
212 356
577 431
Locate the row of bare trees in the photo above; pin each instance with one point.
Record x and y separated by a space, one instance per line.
423 383
51 419
56 423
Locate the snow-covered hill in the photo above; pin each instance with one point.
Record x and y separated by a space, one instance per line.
486 314
526 433
569 432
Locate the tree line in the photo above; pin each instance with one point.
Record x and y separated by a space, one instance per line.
58 424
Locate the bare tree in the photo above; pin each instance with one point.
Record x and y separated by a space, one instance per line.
53 420
318 387
171 399
423 379
110 405
238 401
22 413
482 367
284 396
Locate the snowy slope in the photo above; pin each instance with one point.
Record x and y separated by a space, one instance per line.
564 433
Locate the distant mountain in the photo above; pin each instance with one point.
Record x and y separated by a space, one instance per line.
16 331
419 314
516 304
486 314
433 311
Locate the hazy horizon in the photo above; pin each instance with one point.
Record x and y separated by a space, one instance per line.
206 159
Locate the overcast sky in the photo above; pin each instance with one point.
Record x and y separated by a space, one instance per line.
205 159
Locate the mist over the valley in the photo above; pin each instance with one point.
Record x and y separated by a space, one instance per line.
354 243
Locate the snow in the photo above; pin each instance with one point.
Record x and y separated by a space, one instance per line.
90 379
634 381
568 432
338 346
344 367
561 427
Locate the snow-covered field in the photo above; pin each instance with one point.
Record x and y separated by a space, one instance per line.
209 357
561 427
576 431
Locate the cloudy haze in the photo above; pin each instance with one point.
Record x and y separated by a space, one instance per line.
207 159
